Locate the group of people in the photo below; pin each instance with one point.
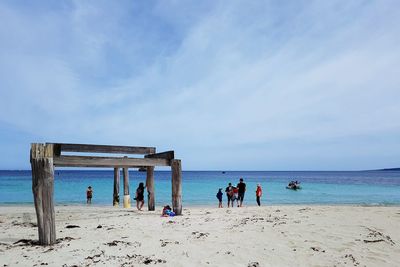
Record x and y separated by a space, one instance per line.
139 197
237 194
232 194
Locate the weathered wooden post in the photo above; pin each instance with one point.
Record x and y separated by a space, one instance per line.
43 191
176 169
150 187
127 197
116 187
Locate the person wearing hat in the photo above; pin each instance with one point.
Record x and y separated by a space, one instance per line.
258 194
89 195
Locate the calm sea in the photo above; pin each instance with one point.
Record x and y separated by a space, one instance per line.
200 187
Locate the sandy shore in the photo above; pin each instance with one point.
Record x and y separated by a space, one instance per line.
249 236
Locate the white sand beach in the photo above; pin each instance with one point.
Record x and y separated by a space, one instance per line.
248 236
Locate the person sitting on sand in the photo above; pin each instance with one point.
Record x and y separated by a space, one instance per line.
258 194
229 193
140 196
167 212
89 195
219 196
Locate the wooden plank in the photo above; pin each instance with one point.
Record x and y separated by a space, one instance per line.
89 148
163 155
150 188
176 170
43 192
89 161
116 187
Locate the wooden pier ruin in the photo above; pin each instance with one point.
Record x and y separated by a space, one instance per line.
44 157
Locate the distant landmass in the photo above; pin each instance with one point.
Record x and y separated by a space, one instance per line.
390 169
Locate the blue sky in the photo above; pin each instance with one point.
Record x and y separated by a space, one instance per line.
229 85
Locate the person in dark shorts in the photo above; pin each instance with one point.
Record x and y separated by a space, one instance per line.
258 194
229 193
140 196
89 195
242 189
219 196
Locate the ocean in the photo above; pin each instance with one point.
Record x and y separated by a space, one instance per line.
200 187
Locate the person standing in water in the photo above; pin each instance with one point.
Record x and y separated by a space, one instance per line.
89 195
140 196
258 194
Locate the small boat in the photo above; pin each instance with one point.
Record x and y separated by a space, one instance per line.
293 185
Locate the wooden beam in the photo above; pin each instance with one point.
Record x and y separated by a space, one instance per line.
88 148
89 161
116 187
150 188
176 169
43 191
163 155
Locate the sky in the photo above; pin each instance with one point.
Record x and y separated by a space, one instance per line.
228 85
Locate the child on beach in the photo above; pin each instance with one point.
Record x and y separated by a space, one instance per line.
219 196
89 195
140 196
258 194
235 196
167 212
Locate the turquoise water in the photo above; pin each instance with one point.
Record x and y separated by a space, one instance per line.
200 187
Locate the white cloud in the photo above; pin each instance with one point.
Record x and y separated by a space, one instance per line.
223 85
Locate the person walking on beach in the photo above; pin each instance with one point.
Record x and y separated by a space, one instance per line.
229 193
140 196
258 194
219 196
242 188
89 195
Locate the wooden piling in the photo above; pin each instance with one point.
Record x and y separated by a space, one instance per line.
176 170
116 187
150 188
127 197
43 191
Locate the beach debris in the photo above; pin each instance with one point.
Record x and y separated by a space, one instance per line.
95 256
317 249
253 264
199 235
67 238
72 226
351 257
24 224
166 242
99 226
304 209
145 259
116 242
374 236
29 242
